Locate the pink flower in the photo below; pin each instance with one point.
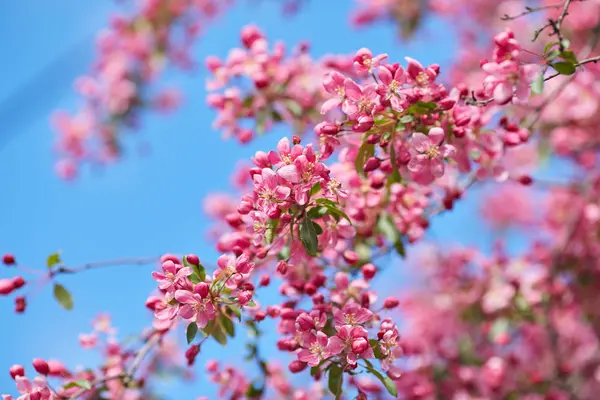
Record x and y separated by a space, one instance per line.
391 85
334 83
319 347
365 62
269 190
422 76
171 278
197 305
38 390
427 155
359 100
356 339
352 314
506 75
88 341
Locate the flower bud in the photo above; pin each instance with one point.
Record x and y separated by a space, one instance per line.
41 366
296 139
525 180
16 370
359 345
365 122
192 259
20 304
18 282
368 271
350 257
391 302
264 280
372 164
170 257
6 286
8 259
249 35
191 353
261 315
297 366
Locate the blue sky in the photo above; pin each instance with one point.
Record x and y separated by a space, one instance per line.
144 205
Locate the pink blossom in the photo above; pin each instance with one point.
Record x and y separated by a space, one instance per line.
172 277
319 347
197 305
351 314
365 62
427 155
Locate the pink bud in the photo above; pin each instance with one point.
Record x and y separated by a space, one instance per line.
16 370
288 313
264 280
244 298
250 34
394 373
192 259
296 139
8 259
202 289
304 322
41 366
260 315
365 122
282 267
350 257
152 301
6 286
372 164
391 302
359 345
191 353
326 128
170 257
18 282
20 304
368 271
525 180
297 366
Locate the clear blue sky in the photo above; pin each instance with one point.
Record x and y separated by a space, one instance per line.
144 205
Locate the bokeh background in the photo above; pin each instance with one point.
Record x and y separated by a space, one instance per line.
150 202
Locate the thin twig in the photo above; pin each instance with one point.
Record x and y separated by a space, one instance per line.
102 264
531 10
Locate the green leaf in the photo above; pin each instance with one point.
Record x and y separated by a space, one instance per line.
63 296
314 370
191 332
499 327
537 86
294 107
422 108
199 274
318 228
53 259
317 212
254 392
406 119
82 383
227 325
214 329
365 151
386 226
270 231
333 210
549 46
284 254
387 382
315 189
308 236
376 346
564 67
569 56
235 310
336 379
